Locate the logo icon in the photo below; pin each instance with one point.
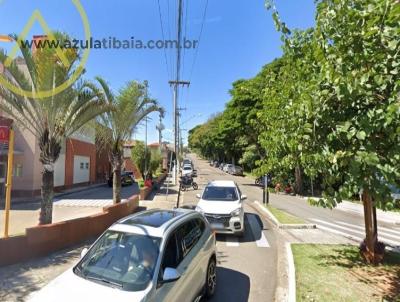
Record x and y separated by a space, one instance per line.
37 17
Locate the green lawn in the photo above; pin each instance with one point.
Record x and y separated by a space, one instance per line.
337 273
284 217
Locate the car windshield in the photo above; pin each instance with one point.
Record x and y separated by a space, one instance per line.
121 260
220 193
187 168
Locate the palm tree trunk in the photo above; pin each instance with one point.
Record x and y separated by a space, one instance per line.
46 206
117 181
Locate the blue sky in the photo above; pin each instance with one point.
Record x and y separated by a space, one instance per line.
238 39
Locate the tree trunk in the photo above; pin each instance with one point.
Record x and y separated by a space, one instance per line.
46 205
117 182
370 252
299 180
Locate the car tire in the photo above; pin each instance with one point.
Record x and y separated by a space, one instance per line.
240 234
195 186
211 280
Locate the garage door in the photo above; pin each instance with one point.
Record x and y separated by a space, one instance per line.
81 169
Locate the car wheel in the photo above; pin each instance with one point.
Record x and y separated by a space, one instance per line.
195 186
211 281
240 234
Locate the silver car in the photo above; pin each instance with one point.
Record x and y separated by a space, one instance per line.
156 255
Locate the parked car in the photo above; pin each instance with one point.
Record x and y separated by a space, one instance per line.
216 164
127 178
228 168
221 166
222 204
236 170
187 170
186 162
157 255
395 192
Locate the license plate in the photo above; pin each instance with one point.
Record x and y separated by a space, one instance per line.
217 225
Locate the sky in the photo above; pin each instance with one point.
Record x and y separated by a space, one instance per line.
237 39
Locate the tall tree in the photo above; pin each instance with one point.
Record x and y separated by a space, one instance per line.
53 119
130 106
360 76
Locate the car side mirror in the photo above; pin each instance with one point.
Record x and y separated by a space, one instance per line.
198 196
244 197
170 275
83 253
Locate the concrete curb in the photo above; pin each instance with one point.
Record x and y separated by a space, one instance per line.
291 273
282 225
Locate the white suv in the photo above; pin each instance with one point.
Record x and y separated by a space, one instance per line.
155 255
222 204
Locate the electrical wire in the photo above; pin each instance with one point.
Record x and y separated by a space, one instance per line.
199 39
163 36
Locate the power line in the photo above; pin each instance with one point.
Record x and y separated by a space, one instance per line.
163 36
186 17
199 40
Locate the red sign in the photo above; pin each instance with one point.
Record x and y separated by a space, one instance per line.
4 134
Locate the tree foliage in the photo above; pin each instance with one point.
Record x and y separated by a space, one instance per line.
52 119
327 110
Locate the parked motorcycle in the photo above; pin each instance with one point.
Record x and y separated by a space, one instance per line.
186 182
259 181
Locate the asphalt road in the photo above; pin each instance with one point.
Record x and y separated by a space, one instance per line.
343 223
247 267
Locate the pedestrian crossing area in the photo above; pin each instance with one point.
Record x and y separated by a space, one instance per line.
389 236
83 202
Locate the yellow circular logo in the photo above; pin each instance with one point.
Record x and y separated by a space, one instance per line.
78 71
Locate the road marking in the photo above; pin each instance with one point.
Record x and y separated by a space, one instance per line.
380 229
255 229
232 241
382 238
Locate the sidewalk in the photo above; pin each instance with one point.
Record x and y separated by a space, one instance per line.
164 198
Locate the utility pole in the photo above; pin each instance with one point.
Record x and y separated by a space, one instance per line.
176 83
145 143
179 130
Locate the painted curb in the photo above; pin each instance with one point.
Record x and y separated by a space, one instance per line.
281 225
291 273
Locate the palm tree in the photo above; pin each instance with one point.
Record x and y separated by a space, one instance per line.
53 119
130 106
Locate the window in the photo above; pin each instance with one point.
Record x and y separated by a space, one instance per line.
171 255
121 259
220 193
181 243
82 166
187 236
87 166
17 170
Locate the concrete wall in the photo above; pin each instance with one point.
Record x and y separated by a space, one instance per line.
42 240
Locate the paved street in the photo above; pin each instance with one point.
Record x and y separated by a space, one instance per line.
337 221
247 266
348 224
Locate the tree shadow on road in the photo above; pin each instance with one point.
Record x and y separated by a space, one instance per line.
231 286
